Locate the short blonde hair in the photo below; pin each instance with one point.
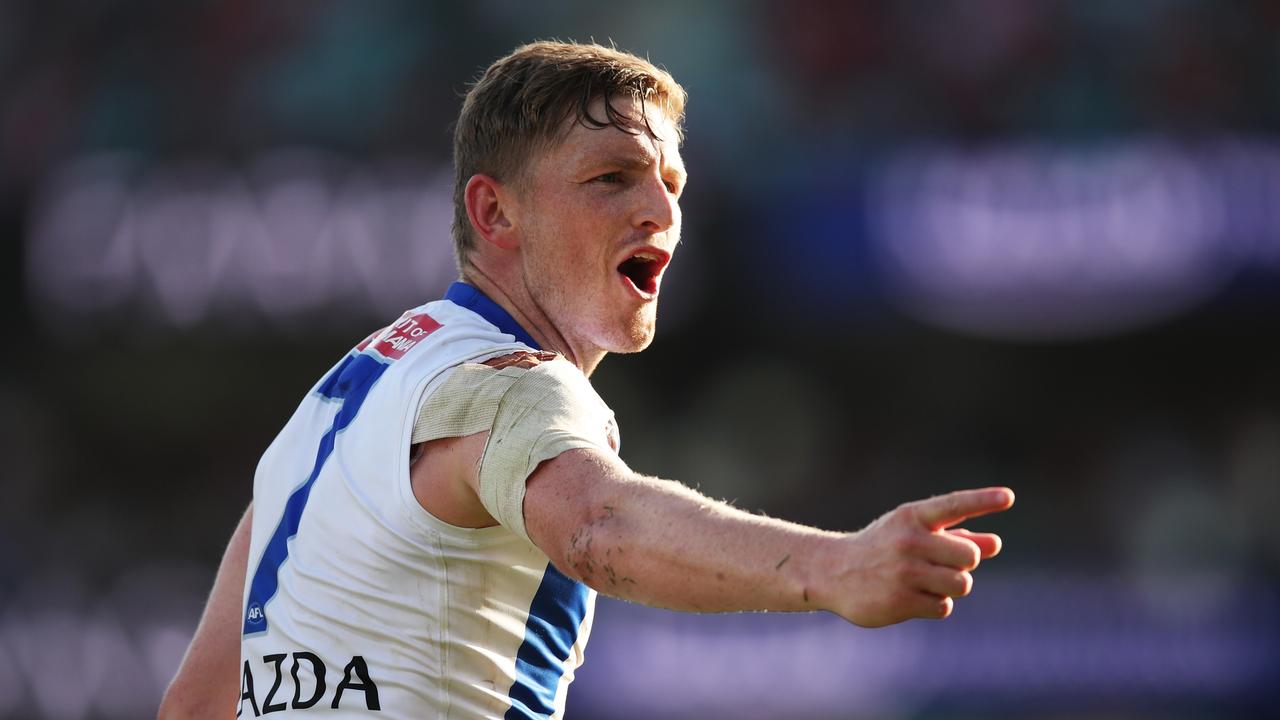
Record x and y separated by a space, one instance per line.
520 105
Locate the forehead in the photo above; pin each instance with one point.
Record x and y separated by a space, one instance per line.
583 144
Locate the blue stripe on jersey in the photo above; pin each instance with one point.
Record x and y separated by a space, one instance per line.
466 296
555 617
350 382
560 604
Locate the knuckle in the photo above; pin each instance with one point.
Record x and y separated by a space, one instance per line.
903 574
899 598
949 503
905 543
973 558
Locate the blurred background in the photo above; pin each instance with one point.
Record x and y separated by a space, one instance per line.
928 245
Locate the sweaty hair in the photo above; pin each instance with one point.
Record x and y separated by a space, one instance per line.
520 106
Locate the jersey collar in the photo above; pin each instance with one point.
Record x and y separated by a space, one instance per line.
471 298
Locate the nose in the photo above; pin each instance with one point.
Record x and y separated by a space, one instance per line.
659 208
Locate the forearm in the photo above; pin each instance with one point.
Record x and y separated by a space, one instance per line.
207 681
660 543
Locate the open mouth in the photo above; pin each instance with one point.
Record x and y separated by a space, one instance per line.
643 270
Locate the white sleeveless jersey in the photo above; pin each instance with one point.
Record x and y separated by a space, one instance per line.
360 603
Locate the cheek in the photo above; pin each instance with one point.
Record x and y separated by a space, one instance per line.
590 231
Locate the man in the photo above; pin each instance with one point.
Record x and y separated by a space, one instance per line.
430 528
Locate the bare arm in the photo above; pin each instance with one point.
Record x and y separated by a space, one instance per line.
207 684
660 543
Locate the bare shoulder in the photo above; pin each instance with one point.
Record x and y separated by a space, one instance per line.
450 436
490 424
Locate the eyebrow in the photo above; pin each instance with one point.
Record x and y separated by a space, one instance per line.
641 161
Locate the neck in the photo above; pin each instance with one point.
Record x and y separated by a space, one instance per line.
525 311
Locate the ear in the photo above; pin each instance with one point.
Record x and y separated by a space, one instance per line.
489 207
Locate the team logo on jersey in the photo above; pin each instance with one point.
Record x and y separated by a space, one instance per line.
394 341
254 614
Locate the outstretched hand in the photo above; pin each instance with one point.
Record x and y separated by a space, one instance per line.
912 561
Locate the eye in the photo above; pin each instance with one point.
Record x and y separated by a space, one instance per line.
611 178
672 187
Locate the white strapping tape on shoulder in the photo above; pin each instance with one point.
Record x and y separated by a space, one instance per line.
532 415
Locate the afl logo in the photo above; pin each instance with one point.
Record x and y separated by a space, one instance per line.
254 614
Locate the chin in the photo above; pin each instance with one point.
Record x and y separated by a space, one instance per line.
636 336
640 343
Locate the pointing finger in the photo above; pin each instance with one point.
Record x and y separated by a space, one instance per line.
988 543
944 511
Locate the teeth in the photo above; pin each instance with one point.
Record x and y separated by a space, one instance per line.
646 256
